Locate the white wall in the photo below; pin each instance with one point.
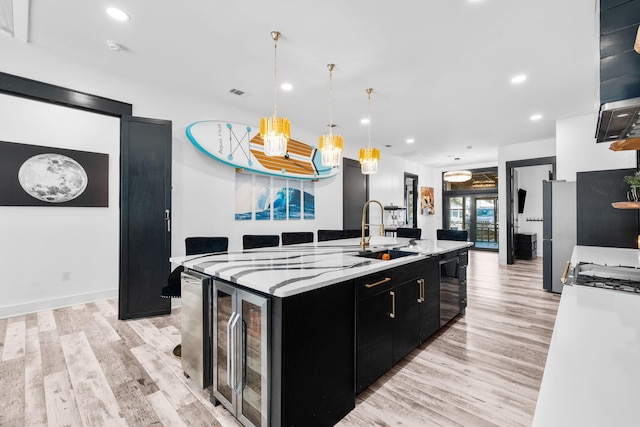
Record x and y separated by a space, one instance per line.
203 189
577 150
39 243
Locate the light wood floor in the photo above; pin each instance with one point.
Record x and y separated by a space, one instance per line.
80 366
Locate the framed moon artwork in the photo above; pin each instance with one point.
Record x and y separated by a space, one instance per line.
32 175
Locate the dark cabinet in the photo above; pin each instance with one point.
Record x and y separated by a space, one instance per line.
396 310
526 245
429 288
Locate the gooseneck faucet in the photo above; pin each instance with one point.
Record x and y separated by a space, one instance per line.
365 242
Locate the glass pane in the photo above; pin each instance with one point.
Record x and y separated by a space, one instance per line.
252 362
456 213
223 313
487 222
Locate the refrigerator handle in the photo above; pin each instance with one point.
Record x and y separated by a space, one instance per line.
244 355
231 345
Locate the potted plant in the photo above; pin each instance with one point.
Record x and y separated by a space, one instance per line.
634 182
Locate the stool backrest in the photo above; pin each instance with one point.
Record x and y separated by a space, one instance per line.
252 241
413 233
459 235
205 245
291 238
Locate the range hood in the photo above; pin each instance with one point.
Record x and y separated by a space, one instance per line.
619 121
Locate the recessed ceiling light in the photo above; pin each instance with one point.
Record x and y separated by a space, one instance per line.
622 115
286 86
364 121
410 141
520 78
118 14
535 117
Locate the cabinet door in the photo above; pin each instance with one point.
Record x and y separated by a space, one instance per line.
405 318
253 406
223 309
430 306
373 339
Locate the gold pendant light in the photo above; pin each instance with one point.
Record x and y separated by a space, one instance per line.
369 157
275 131
331 145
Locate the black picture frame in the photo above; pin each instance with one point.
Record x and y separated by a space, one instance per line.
14 155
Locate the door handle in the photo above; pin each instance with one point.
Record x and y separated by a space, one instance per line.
421 289
167 217
231 350
393 305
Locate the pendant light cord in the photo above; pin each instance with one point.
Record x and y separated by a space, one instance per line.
275 75
330 100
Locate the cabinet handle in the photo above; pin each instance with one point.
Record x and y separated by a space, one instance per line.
379 282
421 297
393 304
565 273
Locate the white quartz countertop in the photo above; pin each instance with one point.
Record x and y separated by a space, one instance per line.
289 270
592 373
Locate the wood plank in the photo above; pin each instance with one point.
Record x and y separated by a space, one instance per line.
95 399
12 392
46 320
177 393
61 401
136 409
108 331
163 408
35 405
14 340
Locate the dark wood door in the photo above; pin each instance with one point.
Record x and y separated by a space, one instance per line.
145 203
355 193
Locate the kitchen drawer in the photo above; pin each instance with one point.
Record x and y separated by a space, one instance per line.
415 270
373 284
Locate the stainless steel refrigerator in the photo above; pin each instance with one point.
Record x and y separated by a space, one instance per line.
558 230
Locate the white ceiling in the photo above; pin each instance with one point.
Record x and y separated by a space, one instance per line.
440 70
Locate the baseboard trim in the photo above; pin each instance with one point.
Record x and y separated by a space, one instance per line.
49 304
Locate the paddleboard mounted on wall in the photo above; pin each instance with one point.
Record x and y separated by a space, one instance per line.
240 146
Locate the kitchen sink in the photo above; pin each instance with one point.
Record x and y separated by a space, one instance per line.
393 254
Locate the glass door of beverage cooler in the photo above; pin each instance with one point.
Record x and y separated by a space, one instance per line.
241 358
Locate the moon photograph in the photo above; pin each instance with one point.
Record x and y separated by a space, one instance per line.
52 178
33 175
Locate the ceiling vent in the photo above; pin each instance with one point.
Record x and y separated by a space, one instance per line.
238 92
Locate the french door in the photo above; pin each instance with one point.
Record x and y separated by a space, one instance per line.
476 214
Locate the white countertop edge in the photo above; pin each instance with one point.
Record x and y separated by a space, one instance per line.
422 248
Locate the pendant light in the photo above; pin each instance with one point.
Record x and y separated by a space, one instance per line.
369 157
331 145
457 176
275 131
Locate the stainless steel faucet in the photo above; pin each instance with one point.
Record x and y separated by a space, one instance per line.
365 242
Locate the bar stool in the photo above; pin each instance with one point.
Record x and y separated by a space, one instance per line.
252 241
292 238
412 233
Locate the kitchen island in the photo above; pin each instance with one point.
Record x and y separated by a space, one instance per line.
297 331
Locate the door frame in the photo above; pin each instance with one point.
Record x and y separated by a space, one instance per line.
510 192
414 211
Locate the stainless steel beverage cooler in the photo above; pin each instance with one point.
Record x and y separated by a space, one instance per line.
196 327
241 353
